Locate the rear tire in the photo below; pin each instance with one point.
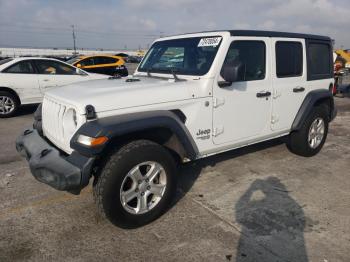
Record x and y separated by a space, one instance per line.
309 140
136 185
9 104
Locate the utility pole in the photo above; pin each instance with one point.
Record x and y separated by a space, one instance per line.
75 48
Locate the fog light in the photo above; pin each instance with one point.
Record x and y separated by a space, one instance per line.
92 141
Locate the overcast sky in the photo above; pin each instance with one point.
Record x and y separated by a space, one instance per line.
132 23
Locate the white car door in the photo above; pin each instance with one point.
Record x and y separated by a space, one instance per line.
22 78
242 110
289 81
54 73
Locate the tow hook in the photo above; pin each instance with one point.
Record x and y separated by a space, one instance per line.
27 132
44 152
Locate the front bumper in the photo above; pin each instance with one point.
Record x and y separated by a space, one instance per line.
49 166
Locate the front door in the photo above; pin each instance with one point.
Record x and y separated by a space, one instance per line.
242 111
54 73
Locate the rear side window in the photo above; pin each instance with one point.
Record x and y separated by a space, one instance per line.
24 67
319 61
289 59
104 60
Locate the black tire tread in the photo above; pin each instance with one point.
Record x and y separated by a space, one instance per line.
115 157
297 143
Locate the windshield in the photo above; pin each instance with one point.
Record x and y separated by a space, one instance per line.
188 56
73 60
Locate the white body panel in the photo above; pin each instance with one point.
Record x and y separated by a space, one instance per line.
25 85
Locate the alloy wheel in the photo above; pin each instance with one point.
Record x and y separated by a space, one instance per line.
316 133
143 187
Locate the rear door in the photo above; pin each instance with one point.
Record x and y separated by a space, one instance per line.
22 78
289 81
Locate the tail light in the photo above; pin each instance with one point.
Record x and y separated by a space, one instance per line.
334 89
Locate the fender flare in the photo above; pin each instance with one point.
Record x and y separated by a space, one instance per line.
116 126
308 104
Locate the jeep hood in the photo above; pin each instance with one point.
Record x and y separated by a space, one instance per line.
111 94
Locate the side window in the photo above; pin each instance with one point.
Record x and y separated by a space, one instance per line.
98 60
289 59
49 67
24 67
319 61
87 62
109 60
104 60
252 55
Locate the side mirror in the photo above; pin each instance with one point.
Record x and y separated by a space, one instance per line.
231 72
79 65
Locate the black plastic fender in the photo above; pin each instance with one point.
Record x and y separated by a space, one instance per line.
115 126
308 104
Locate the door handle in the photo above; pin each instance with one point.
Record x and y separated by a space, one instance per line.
263 94
298 89
46 80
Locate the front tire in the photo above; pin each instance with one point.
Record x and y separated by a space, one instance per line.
9 104
136 185
309 140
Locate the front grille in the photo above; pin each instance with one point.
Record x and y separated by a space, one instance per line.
52 117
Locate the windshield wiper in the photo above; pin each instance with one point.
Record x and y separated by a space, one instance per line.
148 71
176 78
170 70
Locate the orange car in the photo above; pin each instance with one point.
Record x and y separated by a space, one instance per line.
101 64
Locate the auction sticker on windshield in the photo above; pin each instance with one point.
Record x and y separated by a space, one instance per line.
210 41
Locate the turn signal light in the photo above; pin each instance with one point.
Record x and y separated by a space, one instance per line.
92 141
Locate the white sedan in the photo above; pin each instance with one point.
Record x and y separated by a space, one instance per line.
24 80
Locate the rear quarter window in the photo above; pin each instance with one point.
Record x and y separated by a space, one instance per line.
320 65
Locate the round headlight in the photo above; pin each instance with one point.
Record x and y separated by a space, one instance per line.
70 122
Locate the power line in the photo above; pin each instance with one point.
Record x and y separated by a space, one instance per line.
64 29
97 34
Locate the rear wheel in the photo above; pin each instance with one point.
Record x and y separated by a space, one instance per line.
309 140
136 185
8 104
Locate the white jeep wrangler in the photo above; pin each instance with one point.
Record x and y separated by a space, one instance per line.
192 96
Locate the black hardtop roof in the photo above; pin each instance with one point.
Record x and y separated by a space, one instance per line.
259 33
277 34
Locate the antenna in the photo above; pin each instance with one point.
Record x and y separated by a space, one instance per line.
74 37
